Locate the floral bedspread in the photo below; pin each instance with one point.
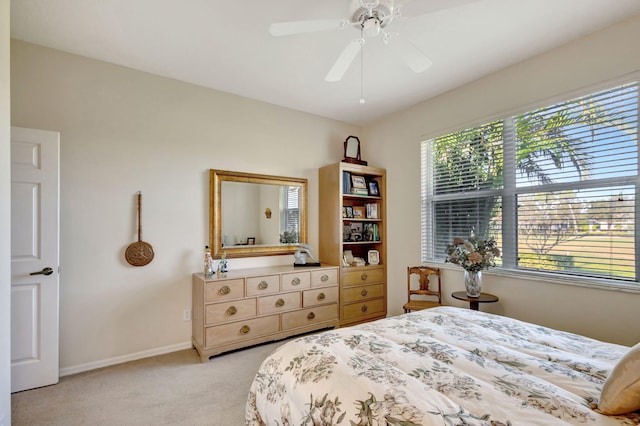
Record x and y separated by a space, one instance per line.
440 366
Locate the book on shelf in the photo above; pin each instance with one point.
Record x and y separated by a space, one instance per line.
359 191
346 182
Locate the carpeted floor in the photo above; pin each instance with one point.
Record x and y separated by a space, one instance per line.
171 389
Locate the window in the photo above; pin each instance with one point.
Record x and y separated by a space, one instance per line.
289 214
556 187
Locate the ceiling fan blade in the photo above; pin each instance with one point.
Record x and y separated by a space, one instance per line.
411 9
300 27
409 53
344 61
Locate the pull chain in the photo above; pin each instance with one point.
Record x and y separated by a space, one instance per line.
362 101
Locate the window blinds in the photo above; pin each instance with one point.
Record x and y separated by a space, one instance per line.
556 186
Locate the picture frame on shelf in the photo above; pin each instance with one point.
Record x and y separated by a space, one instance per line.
358 212
368 232
371 232
374 190
356 231
371 210
347 212
347 255
346 232
358 182
251 241
373 257
359 185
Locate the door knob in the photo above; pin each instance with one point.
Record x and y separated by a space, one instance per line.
45 271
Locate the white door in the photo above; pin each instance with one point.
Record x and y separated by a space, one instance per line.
34 248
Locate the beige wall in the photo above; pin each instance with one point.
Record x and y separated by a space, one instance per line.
124 131
395 144
5 219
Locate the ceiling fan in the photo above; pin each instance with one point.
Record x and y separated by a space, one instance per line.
371 18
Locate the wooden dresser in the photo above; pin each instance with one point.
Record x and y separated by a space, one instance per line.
250 306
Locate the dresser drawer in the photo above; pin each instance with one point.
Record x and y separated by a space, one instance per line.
268 284
363 276
230 311
216 291
241 330
357 294
362 309
295 281
309 316
319 296
279 303
324 277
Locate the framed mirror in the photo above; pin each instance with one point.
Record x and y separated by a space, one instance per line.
352 151
256 215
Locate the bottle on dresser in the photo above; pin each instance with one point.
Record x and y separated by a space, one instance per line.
208 263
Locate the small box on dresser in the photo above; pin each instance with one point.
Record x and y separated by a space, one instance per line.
251 306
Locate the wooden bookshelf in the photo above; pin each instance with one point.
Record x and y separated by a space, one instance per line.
347 224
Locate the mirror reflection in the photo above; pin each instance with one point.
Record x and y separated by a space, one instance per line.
256 215
248 214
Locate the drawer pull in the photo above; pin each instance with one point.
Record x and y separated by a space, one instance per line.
224 290
232 310
364 308
245 329
279 303
364 276
364 293
295 281
321 296
324 278
311 316
263 285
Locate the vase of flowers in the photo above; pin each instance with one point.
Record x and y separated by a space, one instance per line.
474 255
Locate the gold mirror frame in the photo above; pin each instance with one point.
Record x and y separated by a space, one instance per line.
216 177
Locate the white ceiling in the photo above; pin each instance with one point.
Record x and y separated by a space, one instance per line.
226 45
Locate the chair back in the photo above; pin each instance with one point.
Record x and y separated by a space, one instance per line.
429 280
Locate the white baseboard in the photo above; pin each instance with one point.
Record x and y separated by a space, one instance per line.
67 371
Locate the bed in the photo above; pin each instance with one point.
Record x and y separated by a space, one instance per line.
440 366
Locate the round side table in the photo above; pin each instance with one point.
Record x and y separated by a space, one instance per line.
474 302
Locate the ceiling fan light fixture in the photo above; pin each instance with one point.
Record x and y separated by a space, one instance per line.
371 27
382 10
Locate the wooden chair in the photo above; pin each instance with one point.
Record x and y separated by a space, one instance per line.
427 289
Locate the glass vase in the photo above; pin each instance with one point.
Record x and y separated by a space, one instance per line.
473 283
